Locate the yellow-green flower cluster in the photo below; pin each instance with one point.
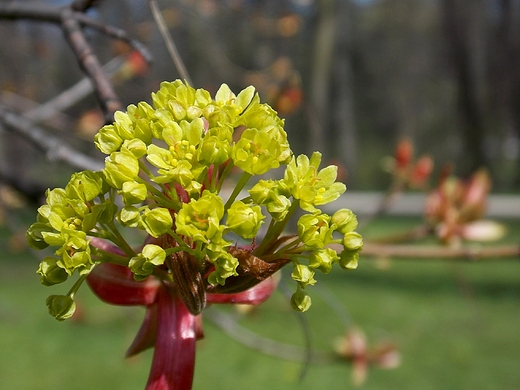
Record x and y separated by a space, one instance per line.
165 167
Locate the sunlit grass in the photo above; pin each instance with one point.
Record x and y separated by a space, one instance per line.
456 325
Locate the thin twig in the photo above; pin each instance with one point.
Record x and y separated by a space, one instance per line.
47 13
304 323
170 44
417 233
115 32
268 346
71 21
426 253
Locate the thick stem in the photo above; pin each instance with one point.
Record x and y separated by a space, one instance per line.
174 356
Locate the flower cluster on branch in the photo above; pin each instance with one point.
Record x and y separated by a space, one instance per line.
165 168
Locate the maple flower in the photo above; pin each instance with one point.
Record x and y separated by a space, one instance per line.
165 169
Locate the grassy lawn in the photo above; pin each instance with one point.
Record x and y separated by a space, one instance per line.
456 325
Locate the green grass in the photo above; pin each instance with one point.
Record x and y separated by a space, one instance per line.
456 325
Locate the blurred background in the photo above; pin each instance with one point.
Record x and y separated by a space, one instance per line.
351 78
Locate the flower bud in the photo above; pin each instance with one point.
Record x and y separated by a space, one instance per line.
323 259
244 220
348 259
300 300
157 221
34 236
129 216
50 272
84 185
263 191
303 275
314 230
133 192
135 146
344 220
120 167
61 307
143 264
225 266
352 241
107 140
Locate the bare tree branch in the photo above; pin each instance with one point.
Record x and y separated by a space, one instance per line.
433 253
90 64
71 21
116 33
51 117
31 10
54 147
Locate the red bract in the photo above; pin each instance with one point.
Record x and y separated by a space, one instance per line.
168 325
403 154
408 171
454 206
421 171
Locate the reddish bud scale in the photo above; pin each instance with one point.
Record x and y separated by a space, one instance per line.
403 154
422 170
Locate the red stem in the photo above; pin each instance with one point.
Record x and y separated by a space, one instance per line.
174 356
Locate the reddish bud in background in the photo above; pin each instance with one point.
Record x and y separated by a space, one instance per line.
474 200
455 208
288 100
421 171
354 348
403 154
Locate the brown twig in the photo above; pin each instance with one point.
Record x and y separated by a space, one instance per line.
82 5
90 64
71 19
116 33
417 233
417 252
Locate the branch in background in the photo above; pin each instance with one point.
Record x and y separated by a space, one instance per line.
33 192
54 147
417 252
417 233
51 118
230 326
116 33
71 96
170 44
71 20
82 5
90 64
